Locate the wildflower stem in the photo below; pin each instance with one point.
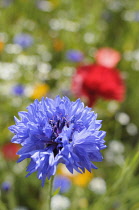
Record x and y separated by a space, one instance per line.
46 195
49 196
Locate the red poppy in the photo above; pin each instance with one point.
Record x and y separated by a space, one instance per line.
96 81
107 57
9 151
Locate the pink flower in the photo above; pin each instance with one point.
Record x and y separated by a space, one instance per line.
107 57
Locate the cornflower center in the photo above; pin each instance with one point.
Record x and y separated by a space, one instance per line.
57 126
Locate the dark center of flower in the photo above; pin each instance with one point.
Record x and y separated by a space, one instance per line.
57 126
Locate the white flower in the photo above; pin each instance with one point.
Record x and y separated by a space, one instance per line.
98 185
132 129
116 146
114 153
13 48
60 202
123 118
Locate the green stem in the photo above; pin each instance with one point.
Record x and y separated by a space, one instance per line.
47 195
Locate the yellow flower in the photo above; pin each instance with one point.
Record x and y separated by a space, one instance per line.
39 91
1 46
82 179
58 45
78 179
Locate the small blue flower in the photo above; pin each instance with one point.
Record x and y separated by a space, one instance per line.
6 186
63 182
18 90
74 55
24 40
58 131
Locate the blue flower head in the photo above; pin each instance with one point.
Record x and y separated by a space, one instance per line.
63 182
58 131
6 186
24 40
74 55
18 90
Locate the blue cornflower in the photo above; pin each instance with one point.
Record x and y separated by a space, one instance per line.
63 182
58 131
74 55
24 40
6 186
18 90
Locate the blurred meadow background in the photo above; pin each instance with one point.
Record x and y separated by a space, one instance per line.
41 45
